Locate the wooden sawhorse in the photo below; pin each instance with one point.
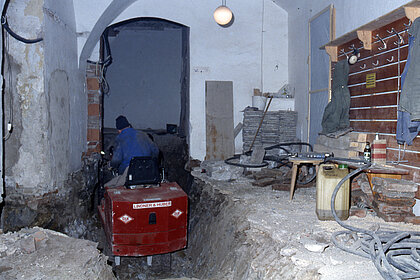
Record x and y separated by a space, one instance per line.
296 162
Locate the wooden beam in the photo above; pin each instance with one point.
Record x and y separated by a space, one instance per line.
366 37
412 12
332 52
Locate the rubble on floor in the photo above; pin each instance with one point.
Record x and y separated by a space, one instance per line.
238 231
38 253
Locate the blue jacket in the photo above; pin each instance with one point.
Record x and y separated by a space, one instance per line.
407 128
131 143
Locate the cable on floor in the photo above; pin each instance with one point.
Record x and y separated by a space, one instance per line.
395 254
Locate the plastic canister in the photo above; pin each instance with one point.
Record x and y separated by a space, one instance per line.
327 179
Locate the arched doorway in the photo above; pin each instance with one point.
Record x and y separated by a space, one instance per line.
146 74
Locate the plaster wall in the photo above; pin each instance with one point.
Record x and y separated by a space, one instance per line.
26 151
145 78
66 101
349 16
216 53
40 94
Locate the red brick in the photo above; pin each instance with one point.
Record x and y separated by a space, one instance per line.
94 110
355 185
413 220
92 84
93 135
358 212
393 217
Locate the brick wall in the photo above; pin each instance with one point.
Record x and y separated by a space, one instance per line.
94 127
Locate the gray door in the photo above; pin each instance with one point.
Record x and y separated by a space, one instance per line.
320 33
219 120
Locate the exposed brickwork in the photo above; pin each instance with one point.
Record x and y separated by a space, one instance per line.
94 127
93 135
92 84
93 110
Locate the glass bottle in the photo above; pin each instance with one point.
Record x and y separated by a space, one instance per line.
367 153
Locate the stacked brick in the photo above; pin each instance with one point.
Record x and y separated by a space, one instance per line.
391 199
94 126
277 127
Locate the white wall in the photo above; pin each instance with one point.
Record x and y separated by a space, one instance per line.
66 100
216 53
349 16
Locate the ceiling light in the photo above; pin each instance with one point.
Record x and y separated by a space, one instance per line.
223 15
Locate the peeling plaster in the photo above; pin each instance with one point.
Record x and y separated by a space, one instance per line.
32 9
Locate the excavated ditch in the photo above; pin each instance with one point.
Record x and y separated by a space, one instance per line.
239 231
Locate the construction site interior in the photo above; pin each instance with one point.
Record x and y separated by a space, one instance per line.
281 137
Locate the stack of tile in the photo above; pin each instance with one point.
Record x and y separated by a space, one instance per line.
287 129
251 122
393 199
277 127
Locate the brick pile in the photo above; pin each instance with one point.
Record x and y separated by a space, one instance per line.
391 199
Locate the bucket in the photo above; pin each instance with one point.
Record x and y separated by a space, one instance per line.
327 179
259 102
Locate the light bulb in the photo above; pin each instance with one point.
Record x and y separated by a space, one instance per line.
222 15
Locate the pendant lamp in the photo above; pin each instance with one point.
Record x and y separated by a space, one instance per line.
223 15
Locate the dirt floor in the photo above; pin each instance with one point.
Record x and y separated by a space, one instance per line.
236 231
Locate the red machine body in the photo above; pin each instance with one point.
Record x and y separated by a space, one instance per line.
146 220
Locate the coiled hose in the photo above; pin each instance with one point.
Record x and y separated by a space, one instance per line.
395 254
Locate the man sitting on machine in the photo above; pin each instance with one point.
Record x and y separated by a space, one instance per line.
128 144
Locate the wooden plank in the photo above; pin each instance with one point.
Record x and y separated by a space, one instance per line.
374 114
373 25
361 65
413 158
348 48
390 58
382 86
398 25
381 73
391 142
219 120
374 100
374 126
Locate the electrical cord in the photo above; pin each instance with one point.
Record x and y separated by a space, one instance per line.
281 160
6 26
395 254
